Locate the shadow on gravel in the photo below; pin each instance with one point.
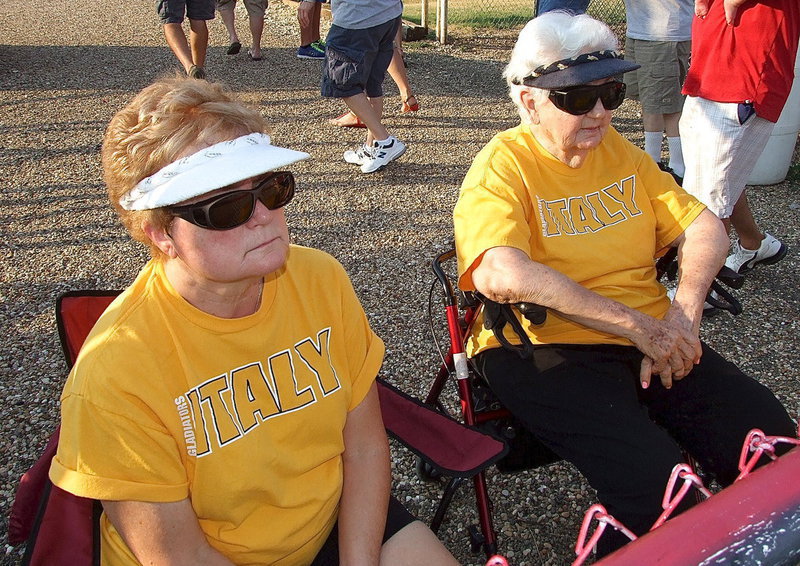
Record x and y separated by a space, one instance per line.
82 68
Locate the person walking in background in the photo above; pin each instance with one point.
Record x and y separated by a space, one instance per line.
311 45
256 9
397 70
359 49
191 53
658 38
743 52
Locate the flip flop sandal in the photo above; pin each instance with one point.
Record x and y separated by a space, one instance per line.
410 104
196 72
250 54
234 48
348 120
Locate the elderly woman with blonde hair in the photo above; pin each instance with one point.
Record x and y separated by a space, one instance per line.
224 407
563 212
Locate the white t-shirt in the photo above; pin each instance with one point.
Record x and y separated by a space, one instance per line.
362 14
659 20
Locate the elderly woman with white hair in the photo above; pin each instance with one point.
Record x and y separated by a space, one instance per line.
224 407
563 212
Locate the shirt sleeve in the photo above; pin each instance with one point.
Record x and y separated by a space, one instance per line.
673 207
493 210
104 454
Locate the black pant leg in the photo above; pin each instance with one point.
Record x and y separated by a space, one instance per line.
712 409
582 402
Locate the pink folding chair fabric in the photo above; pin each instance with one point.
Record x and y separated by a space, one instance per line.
444 443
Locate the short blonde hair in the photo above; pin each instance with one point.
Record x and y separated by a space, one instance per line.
549 38
157 127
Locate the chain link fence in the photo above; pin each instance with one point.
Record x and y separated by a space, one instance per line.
482 17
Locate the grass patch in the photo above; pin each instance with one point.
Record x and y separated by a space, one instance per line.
611 12
501 15
505 14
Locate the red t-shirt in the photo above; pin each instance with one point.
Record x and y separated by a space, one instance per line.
752 60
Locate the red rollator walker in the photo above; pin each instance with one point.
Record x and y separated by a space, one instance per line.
478 405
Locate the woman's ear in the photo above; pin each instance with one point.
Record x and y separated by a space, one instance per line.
529 103
161 239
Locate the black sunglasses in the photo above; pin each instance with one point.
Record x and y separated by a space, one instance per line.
579 100
229 210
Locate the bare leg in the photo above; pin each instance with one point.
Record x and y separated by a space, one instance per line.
347 120
256 30
742 219
198 40
228 18
671 124
377 107
653 122
176 40
397 70
370 111
653 125
413 545
315 21
310 33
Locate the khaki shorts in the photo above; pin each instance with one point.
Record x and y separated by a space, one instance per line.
657 84
255 8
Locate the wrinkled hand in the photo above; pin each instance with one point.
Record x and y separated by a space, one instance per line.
304 13
671 348
686 316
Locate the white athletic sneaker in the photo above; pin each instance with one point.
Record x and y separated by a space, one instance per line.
770 251
359 155
383 153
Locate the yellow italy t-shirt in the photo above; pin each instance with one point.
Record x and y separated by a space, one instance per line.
242 416
600 224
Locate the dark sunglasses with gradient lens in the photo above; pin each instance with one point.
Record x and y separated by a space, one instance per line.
229 210
579 100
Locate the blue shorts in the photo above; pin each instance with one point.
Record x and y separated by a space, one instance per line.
356 60
173 11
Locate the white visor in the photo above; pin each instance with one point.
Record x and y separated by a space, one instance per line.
211 168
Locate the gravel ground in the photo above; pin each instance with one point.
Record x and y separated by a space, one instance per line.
66 67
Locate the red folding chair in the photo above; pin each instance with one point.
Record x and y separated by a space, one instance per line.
61 529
